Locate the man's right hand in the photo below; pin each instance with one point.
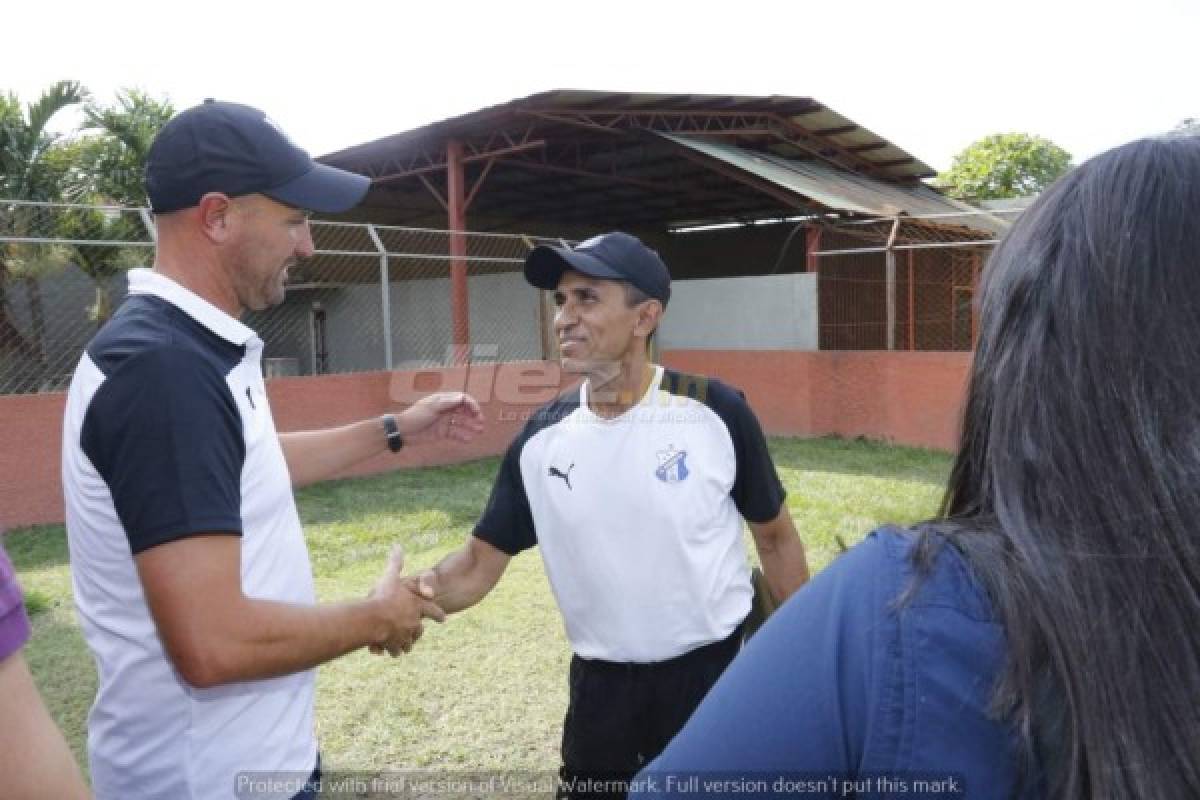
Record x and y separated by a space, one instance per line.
403 603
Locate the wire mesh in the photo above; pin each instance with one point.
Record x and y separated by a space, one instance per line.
380 297
937 261
61 268
371 298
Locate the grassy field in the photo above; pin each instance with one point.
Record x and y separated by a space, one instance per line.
487 689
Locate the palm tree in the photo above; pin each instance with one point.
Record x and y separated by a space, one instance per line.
26 173
106 167
102 262
113 163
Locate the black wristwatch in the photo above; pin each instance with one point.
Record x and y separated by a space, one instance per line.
392 430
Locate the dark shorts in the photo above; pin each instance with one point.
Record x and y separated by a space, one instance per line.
312 788
621 716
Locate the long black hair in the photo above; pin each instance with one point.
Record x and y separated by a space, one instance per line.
1075 496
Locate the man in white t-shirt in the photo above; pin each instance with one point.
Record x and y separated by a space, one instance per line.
191 575
634 487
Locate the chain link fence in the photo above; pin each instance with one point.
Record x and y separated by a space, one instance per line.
373 297
904 283
377 297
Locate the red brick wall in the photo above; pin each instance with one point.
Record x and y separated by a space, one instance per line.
907 398
30 447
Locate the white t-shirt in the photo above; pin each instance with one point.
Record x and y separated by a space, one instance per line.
167 434
639 518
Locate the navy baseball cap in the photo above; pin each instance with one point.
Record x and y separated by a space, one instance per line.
237 150
613 256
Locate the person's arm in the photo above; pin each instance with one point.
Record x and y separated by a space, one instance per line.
35 761
463 578
215 634
781 553
759 495
314 456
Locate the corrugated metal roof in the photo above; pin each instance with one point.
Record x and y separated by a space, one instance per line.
842 190
812 120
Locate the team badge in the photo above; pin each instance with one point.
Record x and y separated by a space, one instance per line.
672 465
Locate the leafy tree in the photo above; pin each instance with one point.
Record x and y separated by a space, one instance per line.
105 166
1189 126
1005 165
101 262
110 159
28 173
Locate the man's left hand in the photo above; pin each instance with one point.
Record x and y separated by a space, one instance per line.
455 416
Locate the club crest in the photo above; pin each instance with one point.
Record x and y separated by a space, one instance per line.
672 465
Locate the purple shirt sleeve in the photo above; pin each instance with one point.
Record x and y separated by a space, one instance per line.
14 623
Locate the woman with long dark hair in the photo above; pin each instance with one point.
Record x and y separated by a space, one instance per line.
1041 637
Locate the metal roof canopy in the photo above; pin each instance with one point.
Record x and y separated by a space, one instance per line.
833 188
602 159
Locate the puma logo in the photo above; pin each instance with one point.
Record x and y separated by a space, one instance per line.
555 472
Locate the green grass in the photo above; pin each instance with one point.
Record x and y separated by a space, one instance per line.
488 688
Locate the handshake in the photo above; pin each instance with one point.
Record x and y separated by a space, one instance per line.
402 604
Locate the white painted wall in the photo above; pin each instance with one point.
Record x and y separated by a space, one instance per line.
767 312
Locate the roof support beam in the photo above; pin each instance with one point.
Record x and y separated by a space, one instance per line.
712 123
583 173
485 154
836 131
674 185
491 162
865 148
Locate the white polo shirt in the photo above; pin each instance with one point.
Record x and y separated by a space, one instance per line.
639 518
168 433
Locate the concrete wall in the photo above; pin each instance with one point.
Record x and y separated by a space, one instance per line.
777 312
906 398
66 294
504 319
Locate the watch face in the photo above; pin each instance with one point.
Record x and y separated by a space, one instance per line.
394 440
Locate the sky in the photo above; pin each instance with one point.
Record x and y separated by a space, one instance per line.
931 77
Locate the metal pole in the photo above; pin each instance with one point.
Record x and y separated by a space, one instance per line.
385 297
144 213
976 261
812 243
912 305
889 258
456 209
812 247
925 246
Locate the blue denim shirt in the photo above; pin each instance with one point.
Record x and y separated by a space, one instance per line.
844 693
